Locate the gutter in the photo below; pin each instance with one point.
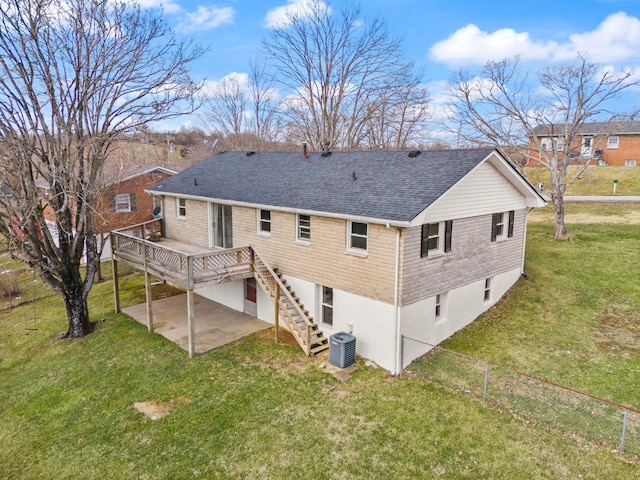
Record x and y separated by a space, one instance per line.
397 347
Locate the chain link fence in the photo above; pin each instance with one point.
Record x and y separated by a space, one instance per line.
571 412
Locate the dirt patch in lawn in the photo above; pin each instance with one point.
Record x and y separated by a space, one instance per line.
155 409
618 332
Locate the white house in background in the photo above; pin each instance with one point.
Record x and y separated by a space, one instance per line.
382 244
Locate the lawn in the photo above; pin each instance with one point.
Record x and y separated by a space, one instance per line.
595 180
256 409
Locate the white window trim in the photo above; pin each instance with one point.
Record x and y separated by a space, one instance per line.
123 198
299 239
321 306
441 304
437 252
609 145
501 237
488 285
630 163
181 216
263 233
355 250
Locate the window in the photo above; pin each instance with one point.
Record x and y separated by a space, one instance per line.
545 143
358 236
487 289
264 221
304 228
498 225
222 226
613 142
157 207
181 204
629 163
123 202
432 242
559 144
441 306
326 302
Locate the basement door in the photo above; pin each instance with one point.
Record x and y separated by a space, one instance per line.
250 296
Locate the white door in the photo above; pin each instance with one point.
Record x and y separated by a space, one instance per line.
586 146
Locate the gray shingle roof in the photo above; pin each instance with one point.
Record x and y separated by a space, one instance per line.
389 185
593 128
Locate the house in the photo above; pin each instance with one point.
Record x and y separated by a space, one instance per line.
602 143
122 200
382 244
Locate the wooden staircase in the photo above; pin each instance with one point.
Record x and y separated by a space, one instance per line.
290 310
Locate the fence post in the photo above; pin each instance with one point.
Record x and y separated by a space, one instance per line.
486 382
624 431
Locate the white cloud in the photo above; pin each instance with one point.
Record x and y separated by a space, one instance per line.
470 45
279 16
207 18
616 39
167 5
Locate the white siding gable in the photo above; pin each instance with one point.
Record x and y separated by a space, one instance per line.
483 191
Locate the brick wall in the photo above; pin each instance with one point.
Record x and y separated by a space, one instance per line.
194 228
472 257
144 202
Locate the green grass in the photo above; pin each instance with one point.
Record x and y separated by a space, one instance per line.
576 321
255 409
595 180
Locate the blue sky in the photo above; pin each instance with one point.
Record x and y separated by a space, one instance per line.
439 36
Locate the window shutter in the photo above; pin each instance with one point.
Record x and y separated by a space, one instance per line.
132 201
494 227
512 216
112 202
448 230
424 250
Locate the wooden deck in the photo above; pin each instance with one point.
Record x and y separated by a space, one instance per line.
191 266
184 264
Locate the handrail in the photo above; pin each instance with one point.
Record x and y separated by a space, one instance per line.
283 289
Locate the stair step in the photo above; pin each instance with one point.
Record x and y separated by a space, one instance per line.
319 348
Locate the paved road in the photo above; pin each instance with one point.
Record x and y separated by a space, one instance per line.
603 198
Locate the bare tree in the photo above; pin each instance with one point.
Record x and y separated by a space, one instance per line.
400 117
335 69
74 75
264 105
225 109
536 118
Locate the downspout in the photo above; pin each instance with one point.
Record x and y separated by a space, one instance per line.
396 309
524 237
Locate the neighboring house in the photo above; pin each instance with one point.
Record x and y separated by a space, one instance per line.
122 201
382 244
602 143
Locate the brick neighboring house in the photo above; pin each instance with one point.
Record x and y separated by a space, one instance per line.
603 143
384 244
123 200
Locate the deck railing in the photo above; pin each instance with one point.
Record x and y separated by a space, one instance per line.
138 243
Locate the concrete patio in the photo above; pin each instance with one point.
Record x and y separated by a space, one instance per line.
215 324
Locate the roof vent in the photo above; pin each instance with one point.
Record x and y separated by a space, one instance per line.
250 153
325 154
414 153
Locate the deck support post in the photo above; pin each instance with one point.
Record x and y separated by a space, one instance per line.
190 324
276 311
147 291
